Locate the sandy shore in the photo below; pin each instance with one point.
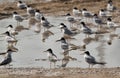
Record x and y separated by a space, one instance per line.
60 73
56 8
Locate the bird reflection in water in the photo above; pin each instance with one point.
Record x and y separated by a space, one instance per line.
21 28
66 60
46 35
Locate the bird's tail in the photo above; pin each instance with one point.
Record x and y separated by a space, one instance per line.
101 63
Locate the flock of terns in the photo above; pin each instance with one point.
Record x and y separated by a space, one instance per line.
78 24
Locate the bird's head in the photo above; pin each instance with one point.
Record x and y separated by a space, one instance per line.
86 52
43 18
19 1
83 23
15 12
62 39
84 9
109 19
10 26
75 8
49 50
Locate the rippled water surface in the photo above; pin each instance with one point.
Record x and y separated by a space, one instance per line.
31 46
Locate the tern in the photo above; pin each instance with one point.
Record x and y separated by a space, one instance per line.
90 59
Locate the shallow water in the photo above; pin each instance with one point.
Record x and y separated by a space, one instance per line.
31 46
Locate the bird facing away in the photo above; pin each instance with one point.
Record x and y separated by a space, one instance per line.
8 59
91 60
51 56
21 5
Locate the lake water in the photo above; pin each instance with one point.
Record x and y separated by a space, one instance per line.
31 46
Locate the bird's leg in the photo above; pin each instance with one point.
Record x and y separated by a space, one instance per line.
89 65
17 23
54 64
50 65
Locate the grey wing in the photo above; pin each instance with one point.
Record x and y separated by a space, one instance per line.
19 18
90 60
99 21
6 61
65 47
68 32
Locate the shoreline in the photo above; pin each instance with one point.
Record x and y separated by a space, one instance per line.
60 73
57 9
53 8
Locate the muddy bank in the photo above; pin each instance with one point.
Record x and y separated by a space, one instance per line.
60 73
55 8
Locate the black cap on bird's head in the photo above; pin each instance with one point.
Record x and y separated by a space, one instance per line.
83 23
102 10
110 1
62 25
109 19
84 9
75 8
87 52
28 6
68 14
37 10
43 18
49 50
15 12
7 33
10 26
20 1
95 15
9 50
62 39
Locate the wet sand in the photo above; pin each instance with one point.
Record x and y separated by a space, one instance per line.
56 8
